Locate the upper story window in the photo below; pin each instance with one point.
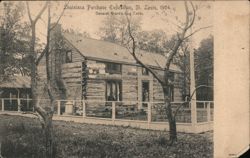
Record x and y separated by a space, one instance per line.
68 57
113 68
145 71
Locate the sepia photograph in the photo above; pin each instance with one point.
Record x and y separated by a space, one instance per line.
109 79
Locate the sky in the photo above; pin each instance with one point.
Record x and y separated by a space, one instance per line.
84 16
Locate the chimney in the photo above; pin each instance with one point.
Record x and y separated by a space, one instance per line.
56 46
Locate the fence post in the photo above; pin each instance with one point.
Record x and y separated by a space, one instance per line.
193 112
2 104
149 114
33 107
18 105
58 107
208 112
83 108
113 111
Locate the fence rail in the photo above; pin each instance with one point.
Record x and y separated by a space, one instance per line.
123 110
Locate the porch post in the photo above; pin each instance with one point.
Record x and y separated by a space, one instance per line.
208 112
28 103
2 104
18 105
18 101
83 108
149 114
193 112
113 111
58 107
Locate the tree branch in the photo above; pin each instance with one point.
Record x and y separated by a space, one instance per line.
29 14
40 110
178 26
194 16
181 36
52 27
136 58
197 31
41 12
200 86
41 55
179 107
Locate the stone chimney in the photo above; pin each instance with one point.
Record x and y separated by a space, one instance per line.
56 46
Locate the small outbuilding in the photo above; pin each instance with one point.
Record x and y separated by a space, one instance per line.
15 91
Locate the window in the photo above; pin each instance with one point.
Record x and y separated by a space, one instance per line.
113 90
69 57
113 68
145 71
145 93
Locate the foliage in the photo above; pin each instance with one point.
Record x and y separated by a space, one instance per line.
204 68
23 136
114 29
14 41
153 41
76 32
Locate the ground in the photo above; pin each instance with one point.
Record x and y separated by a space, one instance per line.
22 137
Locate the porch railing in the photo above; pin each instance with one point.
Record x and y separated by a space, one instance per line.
124 110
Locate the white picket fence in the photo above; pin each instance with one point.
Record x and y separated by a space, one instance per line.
122 110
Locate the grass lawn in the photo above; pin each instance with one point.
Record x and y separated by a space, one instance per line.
22 138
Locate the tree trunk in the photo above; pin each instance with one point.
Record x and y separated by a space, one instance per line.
49 143
32 57
171 119
47 117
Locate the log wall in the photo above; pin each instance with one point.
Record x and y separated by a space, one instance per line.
131 79
72 78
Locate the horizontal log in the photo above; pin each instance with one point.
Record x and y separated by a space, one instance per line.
67 78
96 81
70 75
90 87
96 84
95 95
72 82
74 70
96 91
72 65
97 98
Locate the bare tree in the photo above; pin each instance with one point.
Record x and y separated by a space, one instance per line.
45 114
181 36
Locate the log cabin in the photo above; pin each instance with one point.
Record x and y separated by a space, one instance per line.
96 70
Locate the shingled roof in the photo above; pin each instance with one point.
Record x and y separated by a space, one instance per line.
98 49
16 82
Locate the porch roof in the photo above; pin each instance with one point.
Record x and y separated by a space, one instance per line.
16 82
